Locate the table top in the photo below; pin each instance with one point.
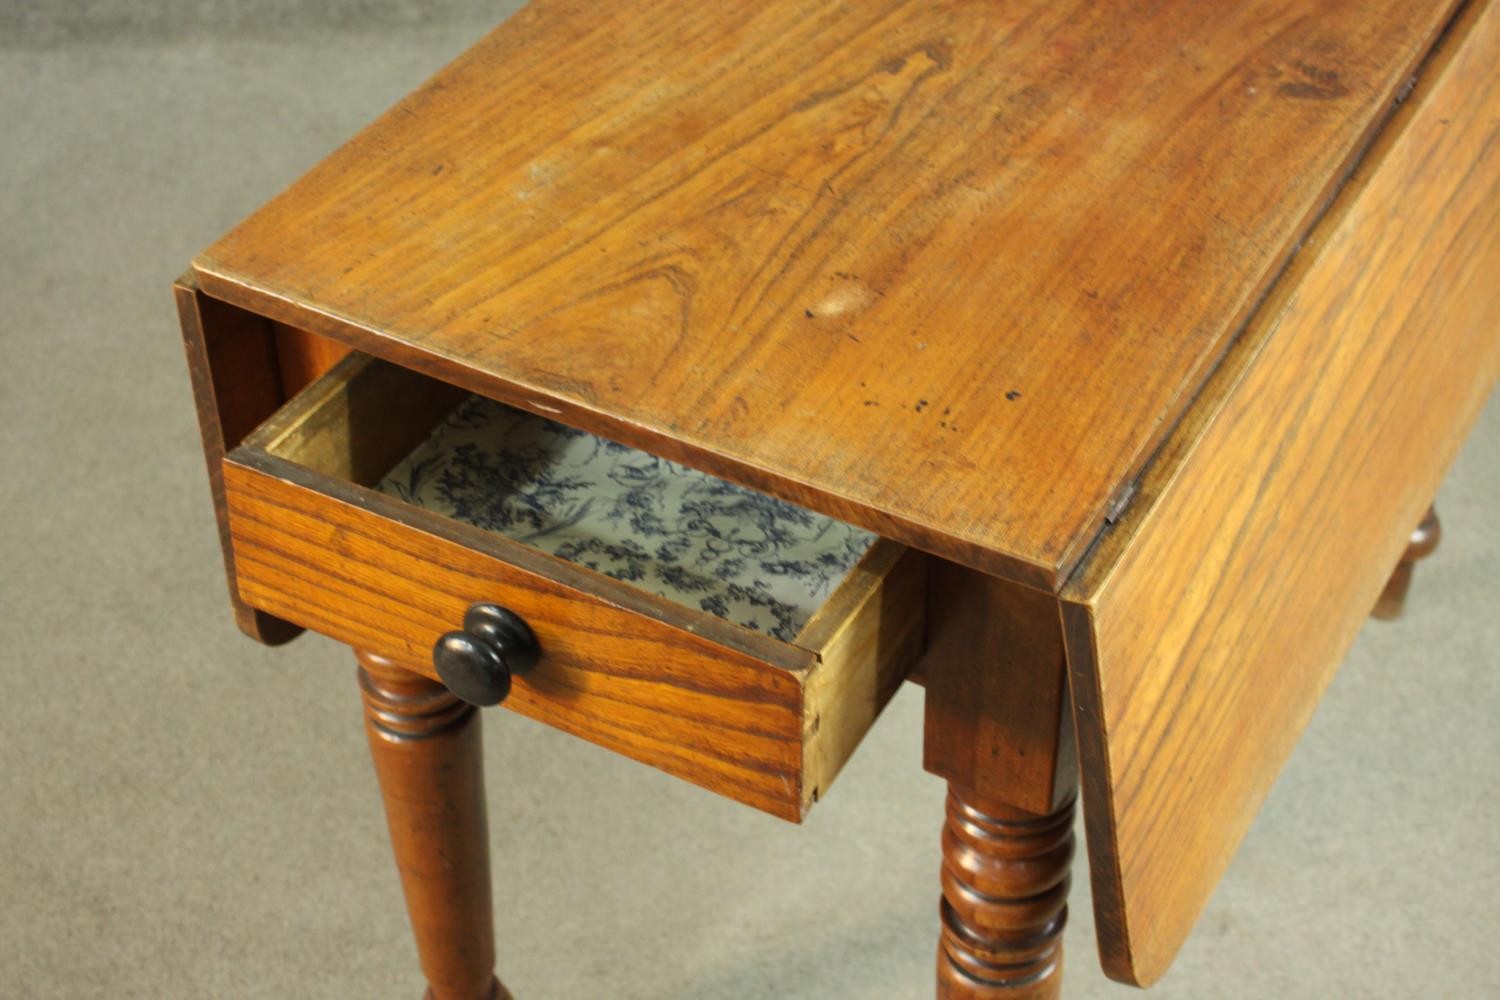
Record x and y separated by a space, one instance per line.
949 271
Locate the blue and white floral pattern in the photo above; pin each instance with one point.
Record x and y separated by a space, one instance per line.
667 529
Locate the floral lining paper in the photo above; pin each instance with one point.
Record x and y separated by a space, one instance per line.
670 530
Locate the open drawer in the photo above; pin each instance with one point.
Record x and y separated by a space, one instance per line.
356 511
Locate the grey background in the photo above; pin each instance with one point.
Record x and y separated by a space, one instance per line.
185 814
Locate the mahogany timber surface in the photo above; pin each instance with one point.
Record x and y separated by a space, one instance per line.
1203 629
947 270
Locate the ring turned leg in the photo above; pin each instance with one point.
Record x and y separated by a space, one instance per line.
1424 540
998 729
426 747
1005 901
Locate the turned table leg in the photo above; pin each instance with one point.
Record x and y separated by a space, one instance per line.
426 747
1005 900
1424 540
998 729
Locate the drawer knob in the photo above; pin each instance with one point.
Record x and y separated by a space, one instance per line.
476 663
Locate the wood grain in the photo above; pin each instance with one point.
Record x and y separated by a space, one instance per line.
998 730
998 720
426 748
359 422
303 357
867 638
1204 627
829 250
231 360
742 714
1005 900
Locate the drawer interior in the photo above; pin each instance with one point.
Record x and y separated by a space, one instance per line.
724 636
664 528
670 530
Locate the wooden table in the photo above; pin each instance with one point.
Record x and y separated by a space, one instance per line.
1141 337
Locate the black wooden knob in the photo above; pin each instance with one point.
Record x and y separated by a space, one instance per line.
476 663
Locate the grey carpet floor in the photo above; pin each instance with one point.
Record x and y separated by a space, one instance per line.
184 814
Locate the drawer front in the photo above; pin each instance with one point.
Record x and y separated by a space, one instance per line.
765 722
